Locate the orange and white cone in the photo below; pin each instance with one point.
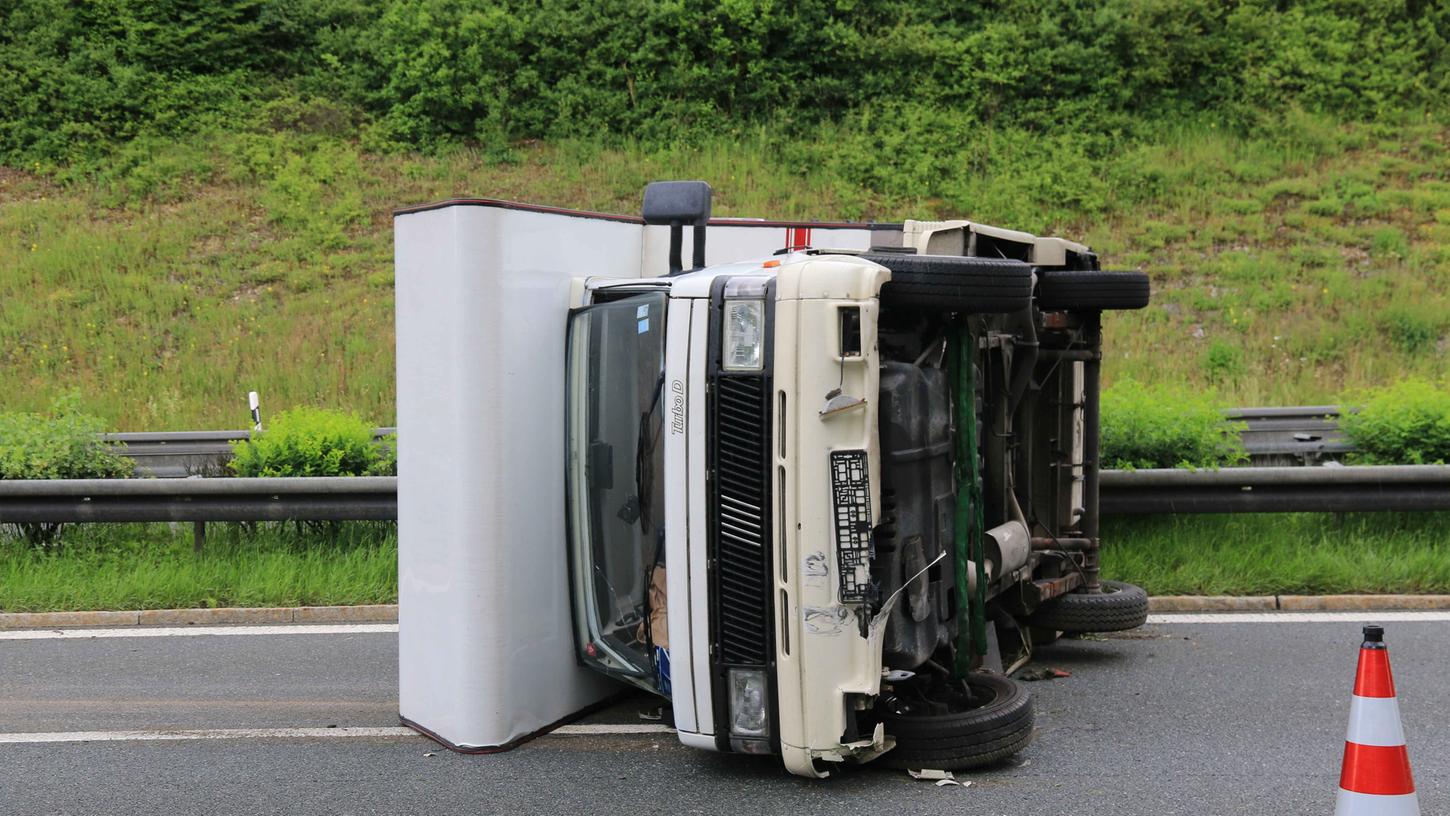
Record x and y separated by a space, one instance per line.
1376 777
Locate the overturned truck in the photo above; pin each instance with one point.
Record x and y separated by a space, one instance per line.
825 500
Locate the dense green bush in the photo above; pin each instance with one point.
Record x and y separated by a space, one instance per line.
315 442
1405 424
76 77
1162 427
61 444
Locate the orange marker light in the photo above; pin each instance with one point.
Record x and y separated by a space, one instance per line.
771 264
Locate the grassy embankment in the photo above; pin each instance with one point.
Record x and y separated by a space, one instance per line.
1295 267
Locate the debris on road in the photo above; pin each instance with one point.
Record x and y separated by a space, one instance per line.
1043 673
944 779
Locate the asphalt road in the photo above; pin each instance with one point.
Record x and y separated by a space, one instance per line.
1171 719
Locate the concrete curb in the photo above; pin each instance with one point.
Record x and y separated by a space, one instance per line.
372 613
1294 603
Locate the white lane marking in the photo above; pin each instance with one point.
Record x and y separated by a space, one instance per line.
291 733
1299 617
206 734
592 729
199 631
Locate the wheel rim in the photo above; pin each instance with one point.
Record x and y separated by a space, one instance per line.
977 696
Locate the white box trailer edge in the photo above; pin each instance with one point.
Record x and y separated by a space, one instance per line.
488 653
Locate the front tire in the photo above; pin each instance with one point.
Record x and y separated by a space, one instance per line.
990 724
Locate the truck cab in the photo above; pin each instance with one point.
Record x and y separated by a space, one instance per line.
825 500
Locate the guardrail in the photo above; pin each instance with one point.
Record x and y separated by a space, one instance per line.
362 498
177 454
1299 435
1328 489
57 501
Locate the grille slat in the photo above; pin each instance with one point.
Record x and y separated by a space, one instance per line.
742 523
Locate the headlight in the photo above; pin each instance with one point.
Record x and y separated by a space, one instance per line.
744 341
749 703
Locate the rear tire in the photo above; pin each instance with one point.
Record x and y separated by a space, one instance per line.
1090 290
1117 608
1000 726
948 283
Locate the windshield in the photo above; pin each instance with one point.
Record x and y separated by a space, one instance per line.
615 376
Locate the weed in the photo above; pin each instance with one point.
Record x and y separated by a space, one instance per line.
1389 243
1414 327
1223 361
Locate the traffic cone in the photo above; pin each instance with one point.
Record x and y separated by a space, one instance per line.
1376 777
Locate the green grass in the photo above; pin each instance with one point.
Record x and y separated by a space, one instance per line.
1292 266
1265 554
148 566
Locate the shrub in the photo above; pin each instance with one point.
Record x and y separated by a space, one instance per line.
63 444
314 442
1160 427
1405 424
82 76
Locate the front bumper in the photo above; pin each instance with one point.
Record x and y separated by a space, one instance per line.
827 494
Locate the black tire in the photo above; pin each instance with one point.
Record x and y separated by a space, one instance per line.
947 283
1117 608
1000 726
1090 290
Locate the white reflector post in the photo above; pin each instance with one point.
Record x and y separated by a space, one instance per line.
485 645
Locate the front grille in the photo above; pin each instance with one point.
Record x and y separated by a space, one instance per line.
742 518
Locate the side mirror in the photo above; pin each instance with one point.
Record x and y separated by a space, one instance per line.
678 203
